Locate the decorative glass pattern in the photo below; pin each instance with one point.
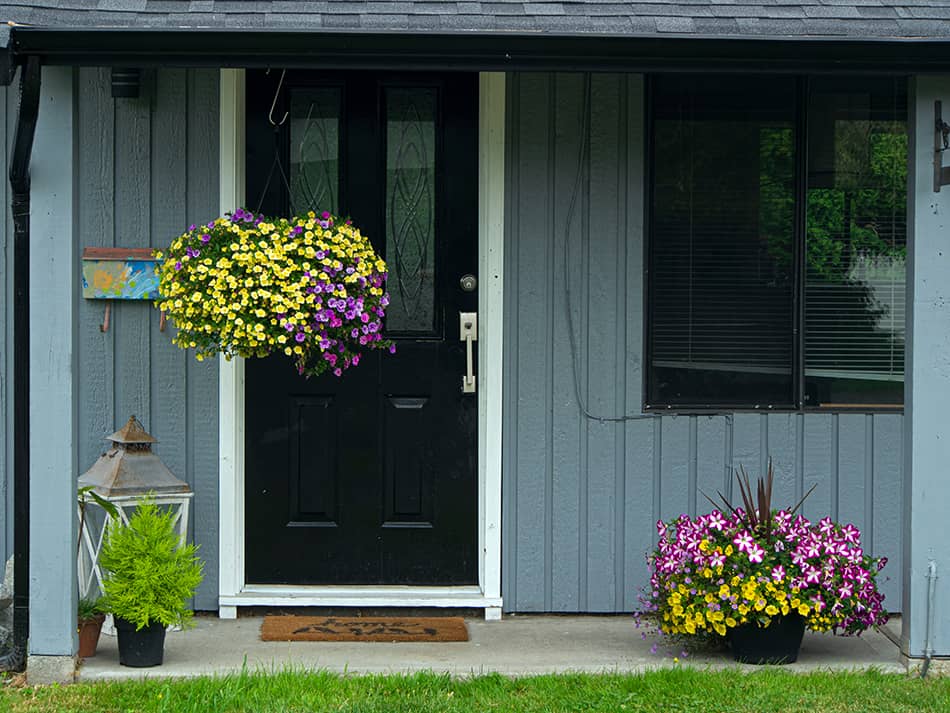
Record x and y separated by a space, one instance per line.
315 150
410 208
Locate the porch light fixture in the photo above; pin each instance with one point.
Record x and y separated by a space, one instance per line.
123 474
941 144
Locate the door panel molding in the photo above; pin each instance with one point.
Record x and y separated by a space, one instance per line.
233 590
313 499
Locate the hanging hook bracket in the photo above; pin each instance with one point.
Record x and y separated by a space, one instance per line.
273 104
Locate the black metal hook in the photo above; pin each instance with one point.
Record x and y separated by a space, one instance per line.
273 104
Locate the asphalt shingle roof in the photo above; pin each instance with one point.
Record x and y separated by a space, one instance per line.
864 19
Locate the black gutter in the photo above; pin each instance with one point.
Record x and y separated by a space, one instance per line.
469 51
20 207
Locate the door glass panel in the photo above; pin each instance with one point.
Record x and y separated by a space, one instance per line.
315 150
410 209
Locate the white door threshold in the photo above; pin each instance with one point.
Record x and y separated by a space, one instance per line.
277 595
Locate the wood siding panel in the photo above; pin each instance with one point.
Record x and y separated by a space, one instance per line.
638 456
532 475
568 514
96 228
885 540
581 495
605 222
782 448
202 377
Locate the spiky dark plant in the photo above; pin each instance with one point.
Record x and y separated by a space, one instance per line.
756 511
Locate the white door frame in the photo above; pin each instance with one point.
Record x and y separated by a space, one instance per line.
232 588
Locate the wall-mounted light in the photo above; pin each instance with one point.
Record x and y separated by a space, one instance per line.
941 144
125 82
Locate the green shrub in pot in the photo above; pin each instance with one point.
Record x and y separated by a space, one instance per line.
149 575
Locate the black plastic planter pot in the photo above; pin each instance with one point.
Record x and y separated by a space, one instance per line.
142 648
777 643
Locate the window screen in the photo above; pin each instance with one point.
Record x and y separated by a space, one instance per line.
722 257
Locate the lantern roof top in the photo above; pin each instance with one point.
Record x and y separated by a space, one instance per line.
129 472
132 432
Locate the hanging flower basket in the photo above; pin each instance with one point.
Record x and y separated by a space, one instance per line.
311 288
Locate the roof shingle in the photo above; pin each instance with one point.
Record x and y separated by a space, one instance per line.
857 19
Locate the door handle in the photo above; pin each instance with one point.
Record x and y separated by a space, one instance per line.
468 333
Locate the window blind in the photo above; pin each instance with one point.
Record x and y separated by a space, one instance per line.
722 253
856 242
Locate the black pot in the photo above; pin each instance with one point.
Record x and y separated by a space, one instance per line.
142 648
778 643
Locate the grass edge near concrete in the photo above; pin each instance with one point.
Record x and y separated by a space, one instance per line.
677 689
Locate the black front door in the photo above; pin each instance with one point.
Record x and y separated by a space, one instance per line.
370 478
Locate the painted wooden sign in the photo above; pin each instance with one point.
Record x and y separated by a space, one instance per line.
119 274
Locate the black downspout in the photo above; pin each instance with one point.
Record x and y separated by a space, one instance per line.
20 206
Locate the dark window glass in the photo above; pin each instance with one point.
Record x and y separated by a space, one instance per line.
856 242
722 254
315 150
410 208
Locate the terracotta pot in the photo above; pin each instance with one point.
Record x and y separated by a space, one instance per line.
89 630
777 643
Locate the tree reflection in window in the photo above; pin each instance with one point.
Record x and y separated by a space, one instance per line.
856 243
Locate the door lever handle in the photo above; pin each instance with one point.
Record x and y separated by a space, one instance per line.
468 333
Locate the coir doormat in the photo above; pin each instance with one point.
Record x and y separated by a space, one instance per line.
350 628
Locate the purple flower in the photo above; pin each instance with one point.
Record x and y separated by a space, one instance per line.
743 541
300 336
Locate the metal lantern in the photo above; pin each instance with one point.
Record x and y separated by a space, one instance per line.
122 475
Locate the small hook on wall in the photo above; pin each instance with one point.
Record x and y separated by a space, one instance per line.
104 327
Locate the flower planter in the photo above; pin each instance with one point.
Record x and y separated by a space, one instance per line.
142 648
89 630
777 643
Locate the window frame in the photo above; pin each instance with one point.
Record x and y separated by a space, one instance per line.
799 405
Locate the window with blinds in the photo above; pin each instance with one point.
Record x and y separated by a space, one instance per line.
722 257
776 275
855 242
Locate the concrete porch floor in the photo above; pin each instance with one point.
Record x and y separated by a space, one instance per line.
516 646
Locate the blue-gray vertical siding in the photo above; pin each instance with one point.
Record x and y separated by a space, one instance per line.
148 168
581 495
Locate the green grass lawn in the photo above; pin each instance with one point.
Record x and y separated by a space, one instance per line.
768 691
